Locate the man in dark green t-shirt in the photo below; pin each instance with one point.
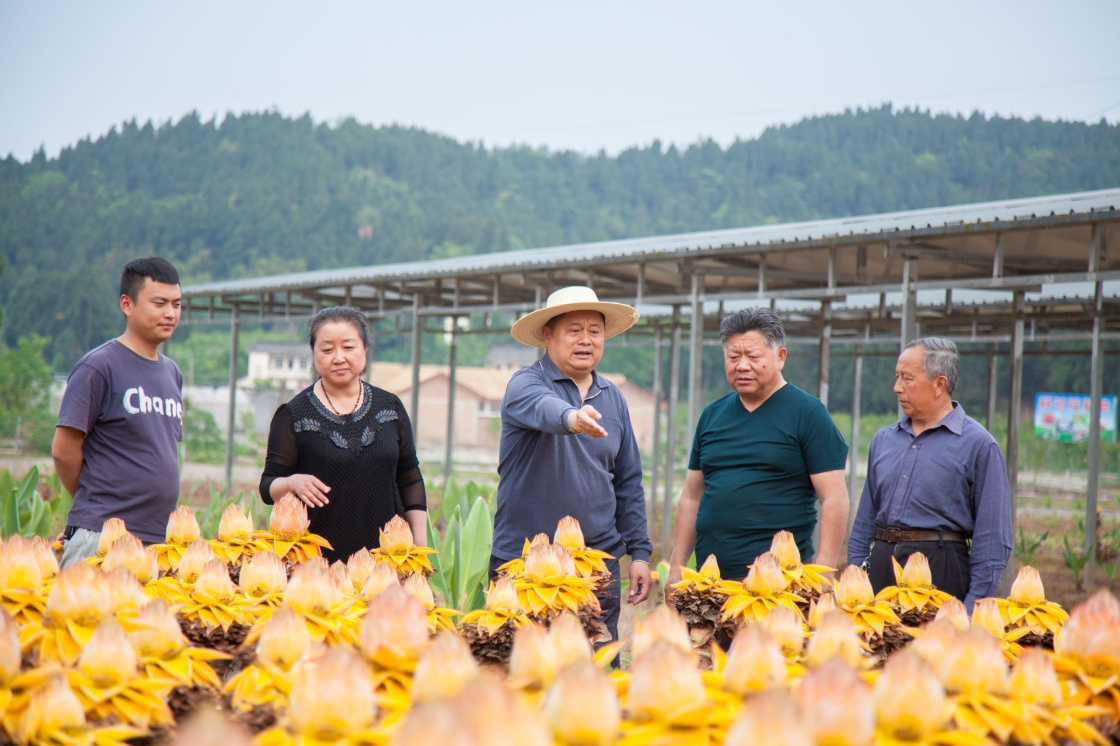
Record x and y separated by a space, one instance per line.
760 458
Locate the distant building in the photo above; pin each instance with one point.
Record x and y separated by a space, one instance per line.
277 371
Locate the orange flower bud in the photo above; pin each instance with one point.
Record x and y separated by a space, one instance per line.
235 525
284 639
108 658
840 703
289 518
157 633
1027 589
569 534
383 576
394 626
126 552
262 575
48 563
396 537
765 577
361 565
710 568
784 548
20 569
784 624
182 527
916 574
198 553
332 697
445 668
568 640
310 590
660 624
820 606
111 530
80 594
910 702
854 588
755 663
665 685
502 596
582 706
953 611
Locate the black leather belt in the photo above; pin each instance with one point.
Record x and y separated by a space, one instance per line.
896 535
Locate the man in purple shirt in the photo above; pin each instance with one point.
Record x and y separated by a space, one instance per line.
936 484
116 443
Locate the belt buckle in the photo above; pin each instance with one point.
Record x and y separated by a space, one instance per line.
895 535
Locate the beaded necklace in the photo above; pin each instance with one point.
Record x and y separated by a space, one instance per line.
357 402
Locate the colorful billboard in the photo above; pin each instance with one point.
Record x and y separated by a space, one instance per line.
1066 417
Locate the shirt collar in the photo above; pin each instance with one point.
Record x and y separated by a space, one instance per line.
554 374
953 421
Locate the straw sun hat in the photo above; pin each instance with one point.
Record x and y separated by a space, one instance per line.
619 316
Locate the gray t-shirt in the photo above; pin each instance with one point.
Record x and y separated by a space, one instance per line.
131 411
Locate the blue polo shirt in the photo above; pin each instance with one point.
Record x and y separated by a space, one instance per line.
950 477
546 472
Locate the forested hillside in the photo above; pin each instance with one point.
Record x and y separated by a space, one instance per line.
261 193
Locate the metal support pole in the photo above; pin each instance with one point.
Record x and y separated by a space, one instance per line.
1096 390
853 437
907 332
671 425
234 328
658 339
1014 396
824 352
451 360
695 351
414 395
993 368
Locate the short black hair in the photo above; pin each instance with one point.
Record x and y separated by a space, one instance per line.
759 319
155 267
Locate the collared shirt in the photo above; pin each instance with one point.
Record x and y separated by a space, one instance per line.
546 472
950 477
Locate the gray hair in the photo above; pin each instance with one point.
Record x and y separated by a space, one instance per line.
754 319
941 359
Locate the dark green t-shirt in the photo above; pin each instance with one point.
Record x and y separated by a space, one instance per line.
756 468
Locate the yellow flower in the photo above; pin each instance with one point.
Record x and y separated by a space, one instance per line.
127 552
48 562
361 565
80 594
910 703
770 719
974 665
660 624
20 569
835 637
198 553
182 527
531 659
916 574
820 606
568 533
666 687
568 640
262 576
284 640
1027 590
841 710
108 659
1033 679
126 594
445 668
785 626
310 590
1090 638
111 530
582 706
382 577
854 588
394 630
9 649
765 577
235 525
398 547
332 697
289 519
954 612
755 663
784 548
157 633
340 576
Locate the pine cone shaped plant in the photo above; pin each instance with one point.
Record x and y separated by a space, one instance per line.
763 589
489 630
1026 607
875 620
807 581
914 597
288 534
699 599
182 529
589 563
282 644
235 543
398 548
23 590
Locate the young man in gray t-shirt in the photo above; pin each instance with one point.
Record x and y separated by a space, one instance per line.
116 444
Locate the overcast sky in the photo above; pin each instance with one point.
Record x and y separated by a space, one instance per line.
574 75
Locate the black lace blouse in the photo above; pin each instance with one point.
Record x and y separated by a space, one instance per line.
367 458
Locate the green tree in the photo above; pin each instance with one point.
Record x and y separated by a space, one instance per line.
25 385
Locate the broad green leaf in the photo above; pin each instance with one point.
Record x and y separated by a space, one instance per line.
438 580
478 533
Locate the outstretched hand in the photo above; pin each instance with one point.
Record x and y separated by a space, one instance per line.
585 420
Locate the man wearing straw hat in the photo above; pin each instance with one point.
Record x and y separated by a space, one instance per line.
568 447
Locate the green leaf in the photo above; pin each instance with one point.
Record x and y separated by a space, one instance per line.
478 533
438 580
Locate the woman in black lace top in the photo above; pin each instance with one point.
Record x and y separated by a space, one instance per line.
344 447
